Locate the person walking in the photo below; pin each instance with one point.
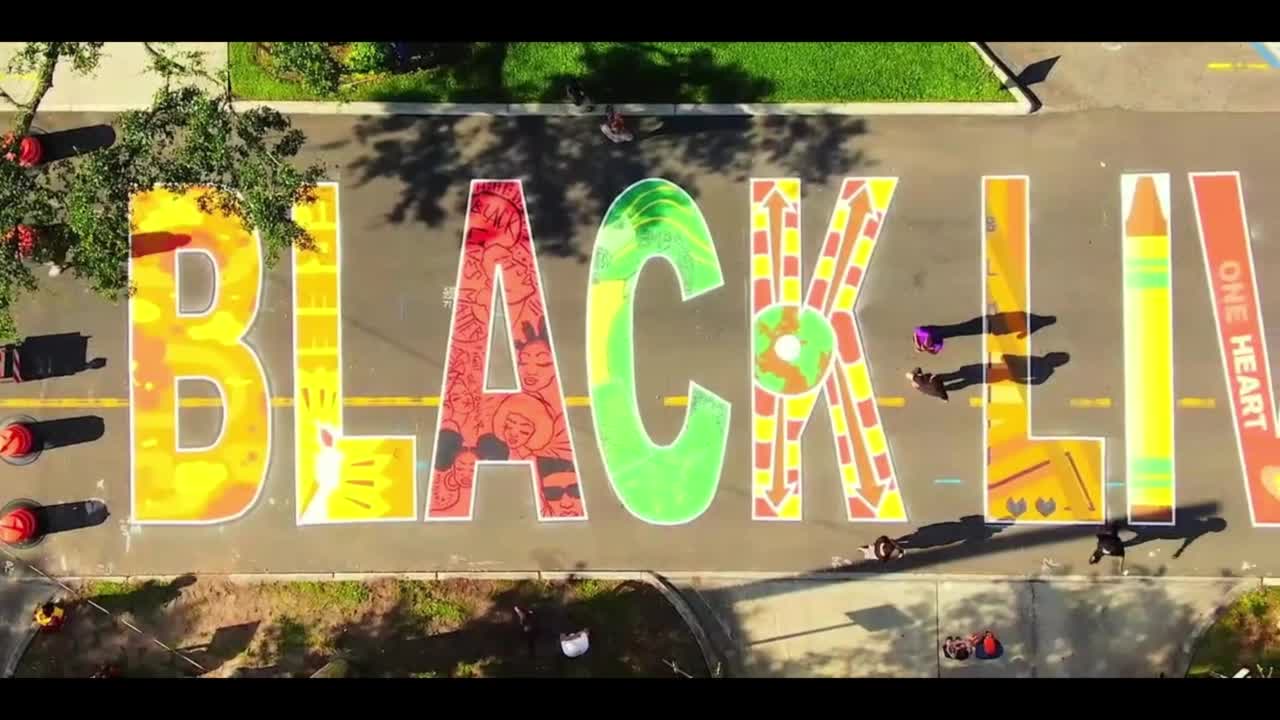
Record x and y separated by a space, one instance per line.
883 549
529 627
578 96
927 383
1109 543
927 340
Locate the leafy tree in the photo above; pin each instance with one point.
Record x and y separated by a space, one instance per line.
312 62
189 136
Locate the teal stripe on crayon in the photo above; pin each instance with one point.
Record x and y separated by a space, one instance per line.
1144 280
1156 465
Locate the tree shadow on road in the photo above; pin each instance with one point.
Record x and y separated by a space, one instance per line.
572 173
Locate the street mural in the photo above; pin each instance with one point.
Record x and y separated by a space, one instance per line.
661 484
481 425
339 478
1148 348
173 484
1228 257
804 347
802 350
1028 479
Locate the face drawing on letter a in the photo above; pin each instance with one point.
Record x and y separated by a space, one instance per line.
328 465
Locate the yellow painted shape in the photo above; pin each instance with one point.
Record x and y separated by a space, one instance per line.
1146 247
837 421
793 456
1007 247
791 290
859 380
759 219
790 189
384 462
761 267
876 443
893 401
790 509
376 474
849 475
1006 393
763 479
676 401
825 268
862 251
882 192
891 507
840 218
222 482
1158 496
845 298
765 427
791 241
799 408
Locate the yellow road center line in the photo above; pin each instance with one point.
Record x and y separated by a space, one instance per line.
893 401
1102 402
1238 66
1207 403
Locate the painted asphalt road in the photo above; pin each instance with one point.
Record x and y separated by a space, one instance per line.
403 190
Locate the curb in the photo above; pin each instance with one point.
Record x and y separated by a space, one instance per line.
1008 79
1020 106
681 575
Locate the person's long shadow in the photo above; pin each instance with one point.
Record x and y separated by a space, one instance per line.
1022 369
968 529
1005 323
1186 529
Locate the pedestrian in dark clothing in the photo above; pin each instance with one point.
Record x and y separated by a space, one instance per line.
927 383
956 648
887 549
529 626
1109 543
927 340
578 96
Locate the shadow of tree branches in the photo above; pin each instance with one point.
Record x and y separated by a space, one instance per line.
572 172
1060 628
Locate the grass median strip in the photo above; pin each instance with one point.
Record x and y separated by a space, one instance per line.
656 72
384 628
1246 635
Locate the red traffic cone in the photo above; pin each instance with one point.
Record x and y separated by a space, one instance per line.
18 527
16 441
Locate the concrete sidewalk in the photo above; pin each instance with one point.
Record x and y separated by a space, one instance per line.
121 81
1155 76
893 626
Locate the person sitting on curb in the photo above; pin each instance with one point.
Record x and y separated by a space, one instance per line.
50 616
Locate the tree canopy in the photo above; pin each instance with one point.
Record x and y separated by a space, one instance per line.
79 205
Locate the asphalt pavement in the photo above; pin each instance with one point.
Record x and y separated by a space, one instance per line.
403 187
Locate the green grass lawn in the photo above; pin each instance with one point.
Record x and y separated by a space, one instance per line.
664 72
1246 635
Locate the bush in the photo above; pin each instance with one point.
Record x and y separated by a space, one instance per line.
312 62
368 57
